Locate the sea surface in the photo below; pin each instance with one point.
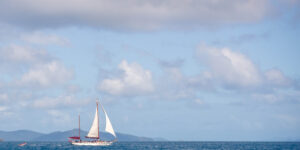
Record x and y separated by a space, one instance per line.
156 145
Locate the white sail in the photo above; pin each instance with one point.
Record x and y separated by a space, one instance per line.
108 126
93 133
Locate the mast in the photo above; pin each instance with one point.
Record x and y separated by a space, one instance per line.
98 119
79 126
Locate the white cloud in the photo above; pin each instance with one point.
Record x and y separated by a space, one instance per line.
234 71
132 14
229 67
226 71
38 67
15 54
47 74
29 74
276 78
44 39
3 108
134 81
60 101
3 97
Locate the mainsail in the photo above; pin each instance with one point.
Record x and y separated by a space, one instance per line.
108 127
94 130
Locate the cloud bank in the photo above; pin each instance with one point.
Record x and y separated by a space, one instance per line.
28 72
132 14
226 70
37 66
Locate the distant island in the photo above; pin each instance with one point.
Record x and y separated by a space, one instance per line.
28 135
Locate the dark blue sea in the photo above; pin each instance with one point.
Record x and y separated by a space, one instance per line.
156 145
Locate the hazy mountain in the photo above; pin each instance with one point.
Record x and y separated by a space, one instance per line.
159 139
58 136
26 135
19 135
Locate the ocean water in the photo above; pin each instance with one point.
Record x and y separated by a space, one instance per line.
156 146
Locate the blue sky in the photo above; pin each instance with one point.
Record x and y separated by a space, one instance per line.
181 70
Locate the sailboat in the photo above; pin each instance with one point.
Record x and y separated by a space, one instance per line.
94 132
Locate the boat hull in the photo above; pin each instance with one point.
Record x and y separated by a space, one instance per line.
92 143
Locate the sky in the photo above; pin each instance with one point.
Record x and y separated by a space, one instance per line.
199 70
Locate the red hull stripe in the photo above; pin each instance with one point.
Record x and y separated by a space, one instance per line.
75 137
